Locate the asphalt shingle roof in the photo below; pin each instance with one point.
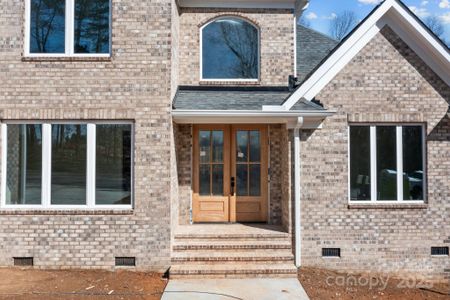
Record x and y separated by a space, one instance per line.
234 98
312 48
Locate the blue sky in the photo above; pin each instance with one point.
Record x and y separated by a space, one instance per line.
320 12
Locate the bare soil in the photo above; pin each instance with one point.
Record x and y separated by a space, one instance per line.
32 284
325 284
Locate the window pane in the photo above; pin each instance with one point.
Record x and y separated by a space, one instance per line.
255 180
91 26
24 164
255 146
217 144
387 163
69 164
230 50
205 146
204 180
413 163
47 26
113 164
242 146
242 180
217 180
360 163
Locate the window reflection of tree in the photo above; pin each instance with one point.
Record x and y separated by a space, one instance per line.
91 26
46 20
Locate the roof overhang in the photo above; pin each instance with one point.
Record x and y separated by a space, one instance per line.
280 4
402 21
310 119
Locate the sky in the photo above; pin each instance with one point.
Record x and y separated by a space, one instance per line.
320 12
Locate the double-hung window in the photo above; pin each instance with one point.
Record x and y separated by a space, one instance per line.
387 163
67 165
68 27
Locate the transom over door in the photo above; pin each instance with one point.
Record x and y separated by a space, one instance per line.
230 173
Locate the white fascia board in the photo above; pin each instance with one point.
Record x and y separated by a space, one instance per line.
279 4
251 113
405 25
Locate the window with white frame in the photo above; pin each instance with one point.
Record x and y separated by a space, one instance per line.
230 50
68 27
67 164
387 163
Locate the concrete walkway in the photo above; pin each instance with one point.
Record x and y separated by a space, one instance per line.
235 289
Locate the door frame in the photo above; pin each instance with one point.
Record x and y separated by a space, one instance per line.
230 171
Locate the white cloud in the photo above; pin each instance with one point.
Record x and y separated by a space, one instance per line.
330 17
420 12
369 1
311 16
424 3
445 18
444 4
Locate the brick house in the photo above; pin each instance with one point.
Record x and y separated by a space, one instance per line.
142 129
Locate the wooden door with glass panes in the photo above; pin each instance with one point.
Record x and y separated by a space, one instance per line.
230 173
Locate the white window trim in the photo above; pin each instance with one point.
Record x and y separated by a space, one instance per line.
46 168
373 165
230 79
69 34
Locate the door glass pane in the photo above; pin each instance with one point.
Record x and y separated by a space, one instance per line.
91 26
242 180
242 146
47 26
204 180
217 145
217 180
113 164
386 163
255 146
205 146
24 164
360 163
413 163
255 180
68 164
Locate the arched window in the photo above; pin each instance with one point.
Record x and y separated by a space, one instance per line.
230 50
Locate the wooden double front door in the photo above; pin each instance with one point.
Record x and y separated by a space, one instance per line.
230 173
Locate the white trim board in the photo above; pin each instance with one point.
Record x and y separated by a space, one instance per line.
280 4
400 20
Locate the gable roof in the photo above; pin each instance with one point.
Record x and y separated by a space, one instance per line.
235 98
402 21
312 48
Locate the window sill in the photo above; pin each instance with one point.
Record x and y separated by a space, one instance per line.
399 205
30 211
67 58
230 82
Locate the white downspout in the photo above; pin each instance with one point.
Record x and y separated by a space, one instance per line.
297 191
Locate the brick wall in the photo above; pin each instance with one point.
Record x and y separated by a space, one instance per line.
385 82
276 35
134 85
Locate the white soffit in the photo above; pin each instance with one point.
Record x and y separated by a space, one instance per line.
400 20
284 4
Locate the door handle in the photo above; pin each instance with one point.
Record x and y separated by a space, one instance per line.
232 186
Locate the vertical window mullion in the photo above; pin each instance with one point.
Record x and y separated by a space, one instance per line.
4 162
46 164
90 169
373 163
70 14
399 163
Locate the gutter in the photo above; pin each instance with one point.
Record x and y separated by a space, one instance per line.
250 113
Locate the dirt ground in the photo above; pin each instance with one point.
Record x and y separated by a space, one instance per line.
324 284
31 284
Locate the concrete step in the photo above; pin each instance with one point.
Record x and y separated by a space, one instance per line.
235 236
256 256
230 245
233 271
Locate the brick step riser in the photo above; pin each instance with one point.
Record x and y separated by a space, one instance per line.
229 247
232 238
230 274
233 260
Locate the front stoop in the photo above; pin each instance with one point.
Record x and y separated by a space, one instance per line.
232 256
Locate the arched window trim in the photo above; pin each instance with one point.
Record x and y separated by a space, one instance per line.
201 50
